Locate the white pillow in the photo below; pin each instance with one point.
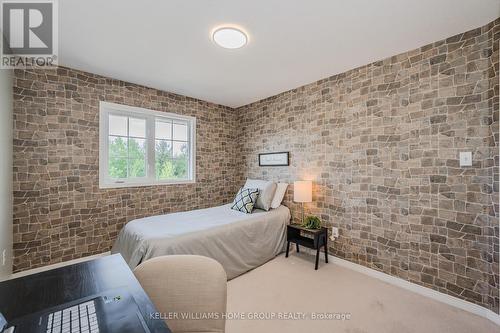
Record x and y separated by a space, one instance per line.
266 192
279 195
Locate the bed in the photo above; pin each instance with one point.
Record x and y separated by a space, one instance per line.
239 241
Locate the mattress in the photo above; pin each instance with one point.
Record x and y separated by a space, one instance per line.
238 241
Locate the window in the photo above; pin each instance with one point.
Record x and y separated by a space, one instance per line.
140 147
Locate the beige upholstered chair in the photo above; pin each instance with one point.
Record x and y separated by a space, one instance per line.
189 284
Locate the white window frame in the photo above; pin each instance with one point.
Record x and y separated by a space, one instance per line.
105 109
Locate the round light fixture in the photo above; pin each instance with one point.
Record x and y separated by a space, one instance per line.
230 38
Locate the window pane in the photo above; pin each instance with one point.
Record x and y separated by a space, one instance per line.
180 168
180 132
180 149
172 169
163 130
117 167
137 127
117 125
164 169
163 148
137 148
117 146
137 168
163 152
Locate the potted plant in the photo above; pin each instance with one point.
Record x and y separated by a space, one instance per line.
312 222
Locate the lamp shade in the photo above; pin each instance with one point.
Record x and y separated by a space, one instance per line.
302 191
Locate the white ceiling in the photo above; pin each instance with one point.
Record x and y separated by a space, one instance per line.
166 44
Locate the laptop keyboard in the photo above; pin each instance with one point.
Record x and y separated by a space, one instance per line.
80 318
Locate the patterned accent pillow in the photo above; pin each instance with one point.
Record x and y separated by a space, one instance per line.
245 200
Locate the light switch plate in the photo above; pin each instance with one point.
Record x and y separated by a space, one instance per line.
335 234
466 158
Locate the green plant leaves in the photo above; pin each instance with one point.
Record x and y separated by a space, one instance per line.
312 222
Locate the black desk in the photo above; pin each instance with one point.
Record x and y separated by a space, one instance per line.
32 293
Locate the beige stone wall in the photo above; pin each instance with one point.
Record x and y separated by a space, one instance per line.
59 211
381 143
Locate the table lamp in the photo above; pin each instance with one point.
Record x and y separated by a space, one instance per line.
302 192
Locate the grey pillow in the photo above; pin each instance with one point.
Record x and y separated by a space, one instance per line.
266 192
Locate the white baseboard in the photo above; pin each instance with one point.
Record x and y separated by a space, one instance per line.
424 291
57 265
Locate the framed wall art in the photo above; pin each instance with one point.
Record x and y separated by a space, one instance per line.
274 159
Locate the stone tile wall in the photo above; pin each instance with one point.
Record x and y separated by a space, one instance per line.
59 211
381 143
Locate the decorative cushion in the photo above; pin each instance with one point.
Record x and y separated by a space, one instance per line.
266 193
279 195
245 200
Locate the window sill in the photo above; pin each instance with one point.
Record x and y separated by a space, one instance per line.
144 184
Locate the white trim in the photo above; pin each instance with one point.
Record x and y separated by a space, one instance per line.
424 291
106 108
54 266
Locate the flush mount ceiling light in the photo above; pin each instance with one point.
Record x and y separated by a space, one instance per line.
229 37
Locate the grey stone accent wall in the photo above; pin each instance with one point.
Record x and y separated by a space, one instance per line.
59 211
381 143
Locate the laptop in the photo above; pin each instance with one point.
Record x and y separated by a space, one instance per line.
108 312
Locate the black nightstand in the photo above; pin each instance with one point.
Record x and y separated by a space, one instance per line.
319 238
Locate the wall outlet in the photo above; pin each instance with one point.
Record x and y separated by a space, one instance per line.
4 257
466 158
335 234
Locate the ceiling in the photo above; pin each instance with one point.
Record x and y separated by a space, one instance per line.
166 44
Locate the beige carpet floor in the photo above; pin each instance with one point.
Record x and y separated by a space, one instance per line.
291 288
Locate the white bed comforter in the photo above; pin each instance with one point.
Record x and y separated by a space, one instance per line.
238 241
